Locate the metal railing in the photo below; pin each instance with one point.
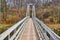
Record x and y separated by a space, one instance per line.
14 32
45 31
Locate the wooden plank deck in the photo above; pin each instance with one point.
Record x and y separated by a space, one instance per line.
29 32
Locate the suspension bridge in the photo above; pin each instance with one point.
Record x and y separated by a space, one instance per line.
29 28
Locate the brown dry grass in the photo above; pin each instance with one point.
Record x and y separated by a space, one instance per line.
53 25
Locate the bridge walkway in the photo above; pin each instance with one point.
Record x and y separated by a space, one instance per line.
29 32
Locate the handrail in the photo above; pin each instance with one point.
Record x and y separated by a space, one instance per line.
13 28
39 34
46 29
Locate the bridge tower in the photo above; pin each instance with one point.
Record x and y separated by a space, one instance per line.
33 11
28 11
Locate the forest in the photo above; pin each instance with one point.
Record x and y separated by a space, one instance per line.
10 15
48 12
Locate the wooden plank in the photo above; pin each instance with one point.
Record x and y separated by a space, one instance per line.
29 32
